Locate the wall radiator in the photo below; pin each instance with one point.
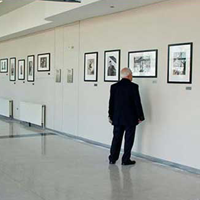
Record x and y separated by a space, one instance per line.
33 113
6 107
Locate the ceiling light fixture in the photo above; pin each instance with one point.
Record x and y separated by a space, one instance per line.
1 1
69 1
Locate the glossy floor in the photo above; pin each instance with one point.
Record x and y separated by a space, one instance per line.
51 167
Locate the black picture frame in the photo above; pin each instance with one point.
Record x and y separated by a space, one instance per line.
31 78
44 62
4 62
91 67
144 63
12 70
112 63
180 59
21 69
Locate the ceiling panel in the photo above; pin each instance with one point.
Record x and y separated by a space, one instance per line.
9 5
53 14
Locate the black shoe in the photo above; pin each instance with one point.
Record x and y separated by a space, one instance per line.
129 162
112 162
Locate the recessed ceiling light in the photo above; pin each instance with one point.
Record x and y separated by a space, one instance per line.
1 1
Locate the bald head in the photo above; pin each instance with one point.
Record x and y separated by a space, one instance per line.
126 73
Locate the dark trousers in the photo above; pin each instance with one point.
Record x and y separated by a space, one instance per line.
118 133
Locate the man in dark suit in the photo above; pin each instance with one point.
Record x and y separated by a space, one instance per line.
125 113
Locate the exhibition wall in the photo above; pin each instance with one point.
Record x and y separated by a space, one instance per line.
171 129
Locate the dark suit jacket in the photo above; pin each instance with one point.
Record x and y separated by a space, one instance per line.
124 105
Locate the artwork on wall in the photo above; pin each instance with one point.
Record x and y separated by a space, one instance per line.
143 63
43 62
31 68
4 65
12 69
112 65
180 63
91 66
21 69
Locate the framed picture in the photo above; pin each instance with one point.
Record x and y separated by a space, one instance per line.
31 68
180 63
4 65
44 62
12 69
112 65
21 69
91 66
143 64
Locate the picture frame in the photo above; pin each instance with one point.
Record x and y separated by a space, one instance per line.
91 66
31 68
4 65
180 63
112 61
21 69
12 69
143 64
44 62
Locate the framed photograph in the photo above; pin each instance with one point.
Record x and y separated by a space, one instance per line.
12 69
91 66
31 68
4 65
44 62
21 69
143 64
180 63
112 65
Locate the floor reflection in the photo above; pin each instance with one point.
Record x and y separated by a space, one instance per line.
43 143
11 130
13 135
121 183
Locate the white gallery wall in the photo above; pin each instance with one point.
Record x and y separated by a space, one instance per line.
171 128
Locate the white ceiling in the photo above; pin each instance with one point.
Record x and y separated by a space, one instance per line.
45 15
98 8
9 5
